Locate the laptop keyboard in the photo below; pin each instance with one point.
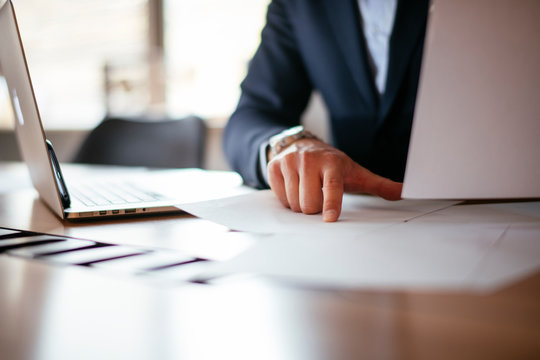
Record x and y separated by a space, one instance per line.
112 194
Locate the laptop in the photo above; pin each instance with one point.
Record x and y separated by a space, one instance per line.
476 128
94 198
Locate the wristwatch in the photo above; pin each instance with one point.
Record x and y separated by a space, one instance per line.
280 141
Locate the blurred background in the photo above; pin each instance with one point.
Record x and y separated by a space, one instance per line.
92 59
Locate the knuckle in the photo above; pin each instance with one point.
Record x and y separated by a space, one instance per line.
332 157
307 167
310 161
332 202
273 168
307 156
288 161
333 183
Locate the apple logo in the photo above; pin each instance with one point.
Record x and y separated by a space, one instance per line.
17 107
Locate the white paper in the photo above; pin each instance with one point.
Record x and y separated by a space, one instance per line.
403 256
261 212
377 244
194 185
477 248
487 213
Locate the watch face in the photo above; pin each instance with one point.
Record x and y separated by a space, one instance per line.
285 134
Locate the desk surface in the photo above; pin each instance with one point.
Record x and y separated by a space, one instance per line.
54 312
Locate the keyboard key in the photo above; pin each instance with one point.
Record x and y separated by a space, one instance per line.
51 248
112 193
79 196
6 232
6 244
145 262
183 272
112 197
86 256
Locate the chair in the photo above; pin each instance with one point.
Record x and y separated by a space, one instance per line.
166 143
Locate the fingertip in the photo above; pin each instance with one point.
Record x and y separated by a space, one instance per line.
395 193
330 216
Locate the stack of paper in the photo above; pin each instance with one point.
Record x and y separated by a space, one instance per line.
377 244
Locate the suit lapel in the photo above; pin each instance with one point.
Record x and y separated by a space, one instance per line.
409 26
343 15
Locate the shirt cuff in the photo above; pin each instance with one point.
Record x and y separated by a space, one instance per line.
263 162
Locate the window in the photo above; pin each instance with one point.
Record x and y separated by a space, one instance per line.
207 45
67 44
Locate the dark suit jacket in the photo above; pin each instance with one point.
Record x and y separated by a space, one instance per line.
319 44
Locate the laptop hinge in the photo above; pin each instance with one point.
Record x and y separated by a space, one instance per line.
62 189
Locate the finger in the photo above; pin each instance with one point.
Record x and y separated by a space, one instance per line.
310 192
332 195
276 182
290 177
377 185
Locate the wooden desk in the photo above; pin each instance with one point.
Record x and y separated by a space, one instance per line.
20 208
53 312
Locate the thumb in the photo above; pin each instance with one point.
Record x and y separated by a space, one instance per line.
361 180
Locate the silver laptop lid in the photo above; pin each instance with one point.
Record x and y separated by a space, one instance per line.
476 131
30 135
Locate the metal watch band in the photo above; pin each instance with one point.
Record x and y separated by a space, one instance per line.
285 138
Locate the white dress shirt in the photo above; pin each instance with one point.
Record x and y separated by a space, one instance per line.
377 22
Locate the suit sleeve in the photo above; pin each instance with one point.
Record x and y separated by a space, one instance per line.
274 94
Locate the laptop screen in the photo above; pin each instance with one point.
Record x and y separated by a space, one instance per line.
476 130
28 127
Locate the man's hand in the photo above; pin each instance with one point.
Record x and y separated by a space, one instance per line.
310 176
